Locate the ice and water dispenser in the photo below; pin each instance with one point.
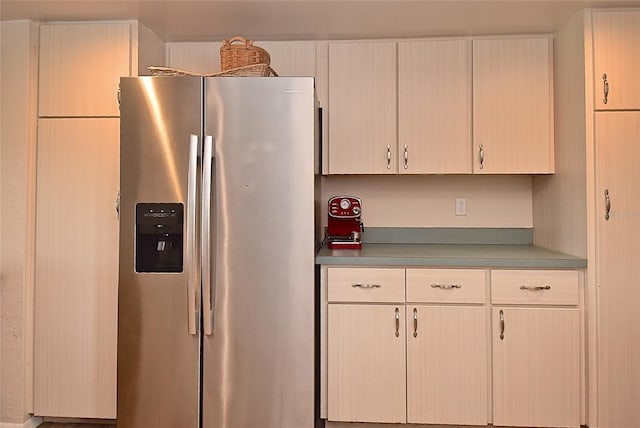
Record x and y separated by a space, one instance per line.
159 237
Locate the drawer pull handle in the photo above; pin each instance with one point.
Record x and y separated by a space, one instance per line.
366 285
388 157
606 88
415 322
501 325
397 322
536 288
446 286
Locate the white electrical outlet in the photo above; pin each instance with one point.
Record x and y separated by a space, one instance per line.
461 206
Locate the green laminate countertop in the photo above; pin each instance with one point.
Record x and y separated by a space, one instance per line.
451 255
502 253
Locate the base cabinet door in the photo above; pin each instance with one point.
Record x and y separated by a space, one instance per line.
366 363
536 374
446 365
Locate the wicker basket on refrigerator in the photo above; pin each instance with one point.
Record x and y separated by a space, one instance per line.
240 52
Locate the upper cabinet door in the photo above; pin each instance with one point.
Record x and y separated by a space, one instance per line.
362 108
616 49
434 108
513 106
291 58
80 68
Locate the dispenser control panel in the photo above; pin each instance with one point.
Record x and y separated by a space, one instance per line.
159 237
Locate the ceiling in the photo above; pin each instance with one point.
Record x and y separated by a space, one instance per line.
202 20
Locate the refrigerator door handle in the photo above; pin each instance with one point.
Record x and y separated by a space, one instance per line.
205 237
192 274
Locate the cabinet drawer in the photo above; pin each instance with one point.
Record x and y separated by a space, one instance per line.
446 285
534 287
365 285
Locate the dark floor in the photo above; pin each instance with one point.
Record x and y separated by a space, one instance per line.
67 425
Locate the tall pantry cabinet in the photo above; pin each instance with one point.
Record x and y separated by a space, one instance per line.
616 38
591 207
617 136
76 260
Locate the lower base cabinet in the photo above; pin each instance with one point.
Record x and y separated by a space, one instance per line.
446 365
425 346
366 361
536 370
536 348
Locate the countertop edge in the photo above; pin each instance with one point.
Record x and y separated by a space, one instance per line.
502 256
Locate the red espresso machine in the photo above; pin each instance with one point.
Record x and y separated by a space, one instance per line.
344 226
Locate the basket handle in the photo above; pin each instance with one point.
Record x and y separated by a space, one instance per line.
247 42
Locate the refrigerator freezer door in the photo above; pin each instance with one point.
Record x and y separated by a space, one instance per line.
158 358
258 365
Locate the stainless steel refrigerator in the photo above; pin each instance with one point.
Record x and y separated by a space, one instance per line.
216 324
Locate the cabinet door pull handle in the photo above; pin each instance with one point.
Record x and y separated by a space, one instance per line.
607 205
605 83
501 325
366 285
481 156
406 157
388 157
118 205
535 288
446 286
415 322
397 322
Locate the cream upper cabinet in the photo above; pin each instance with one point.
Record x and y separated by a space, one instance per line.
536 348
291 58
362 108
513 105
76 268
507 100
81 65
366 363
434 106
616 57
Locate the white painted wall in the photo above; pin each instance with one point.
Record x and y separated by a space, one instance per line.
18 73
560 201
429 201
